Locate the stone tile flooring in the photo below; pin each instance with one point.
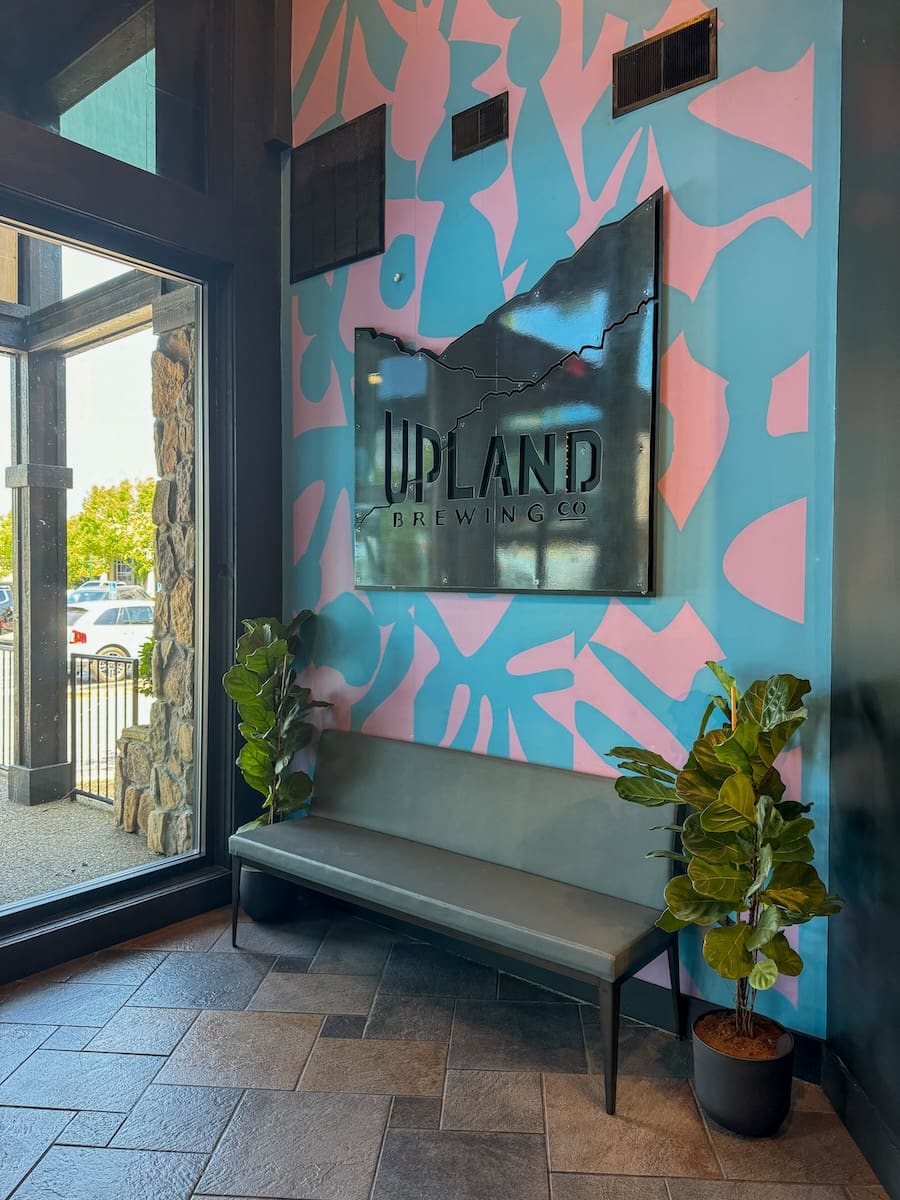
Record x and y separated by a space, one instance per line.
330 1059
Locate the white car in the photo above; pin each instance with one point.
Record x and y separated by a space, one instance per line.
114 628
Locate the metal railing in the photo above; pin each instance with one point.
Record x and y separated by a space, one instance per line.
7 704
103 699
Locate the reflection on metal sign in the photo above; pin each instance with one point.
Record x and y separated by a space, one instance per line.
520 459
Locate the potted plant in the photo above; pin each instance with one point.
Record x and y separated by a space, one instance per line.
745 875
273 707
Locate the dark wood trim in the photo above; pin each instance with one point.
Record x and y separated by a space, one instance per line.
104 54
281 128
175 307
78 183
99 314
85 930
228 238
13 326
863 1119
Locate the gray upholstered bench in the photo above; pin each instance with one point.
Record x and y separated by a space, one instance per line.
546 866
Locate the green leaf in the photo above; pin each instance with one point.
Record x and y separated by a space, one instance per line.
294 792
725 949
782 953
647 757
689 906
670 854
762 874
256 767
770 783
294 631
693 787
667 828
773 826
719 881
727 681
714 847
763 812
297 739
704 753
256 823
771 702
268 660
767 923
670 923
801 851
241 684
795 886
791 809
764 975
648 772
734 809
649 792
736 751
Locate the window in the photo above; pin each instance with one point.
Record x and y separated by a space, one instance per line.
103 400
124 77
112 616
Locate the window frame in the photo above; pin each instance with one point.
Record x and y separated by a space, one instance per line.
228 239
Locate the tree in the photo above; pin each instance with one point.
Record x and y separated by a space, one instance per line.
6 546
115 525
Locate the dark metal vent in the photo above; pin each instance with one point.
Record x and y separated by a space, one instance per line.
481 125
337 196
670 62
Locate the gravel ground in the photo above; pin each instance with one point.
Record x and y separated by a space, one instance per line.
52 846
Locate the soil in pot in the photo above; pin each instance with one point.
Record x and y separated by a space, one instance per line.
718 1030
743 1084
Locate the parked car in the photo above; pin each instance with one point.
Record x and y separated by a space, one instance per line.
113 628
95 589
7 616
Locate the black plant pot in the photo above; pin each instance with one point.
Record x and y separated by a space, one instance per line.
748 1096
266 898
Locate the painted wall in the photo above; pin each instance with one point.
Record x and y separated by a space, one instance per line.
864 950
750 168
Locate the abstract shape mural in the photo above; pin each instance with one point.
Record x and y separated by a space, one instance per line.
749 290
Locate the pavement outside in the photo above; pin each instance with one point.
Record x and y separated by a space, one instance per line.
53 846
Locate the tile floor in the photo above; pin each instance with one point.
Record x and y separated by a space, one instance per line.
330 1059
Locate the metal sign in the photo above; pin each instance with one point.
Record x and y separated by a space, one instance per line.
522 458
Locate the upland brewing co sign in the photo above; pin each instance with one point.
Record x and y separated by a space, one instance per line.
522 458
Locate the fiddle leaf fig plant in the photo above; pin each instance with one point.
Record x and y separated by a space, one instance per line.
272 706
745 851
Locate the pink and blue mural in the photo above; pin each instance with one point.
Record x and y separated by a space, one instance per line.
749 165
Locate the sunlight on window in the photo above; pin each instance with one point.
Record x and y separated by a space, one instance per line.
82 270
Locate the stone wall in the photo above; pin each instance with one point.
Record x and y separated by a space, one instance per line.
162 806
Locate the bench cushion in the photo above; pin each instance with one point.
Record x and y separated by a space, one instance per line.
583 931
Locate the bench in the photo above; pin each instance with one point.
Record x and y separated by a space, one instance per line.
546 866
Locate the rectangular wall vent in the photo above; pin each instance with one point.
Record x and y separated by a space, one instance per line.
337 196
481 125
672 61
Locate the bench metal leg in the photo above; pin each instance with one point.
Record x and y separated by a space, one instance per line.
235 896
675 984
609 1036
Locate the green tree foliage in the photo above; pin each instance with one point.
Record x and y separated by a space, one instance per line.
114 525
6 546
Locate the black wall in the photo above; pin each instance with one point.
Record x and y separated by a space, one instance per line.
863 1072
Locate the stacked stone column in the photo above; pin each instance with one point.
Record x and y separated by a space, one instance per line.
162 805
